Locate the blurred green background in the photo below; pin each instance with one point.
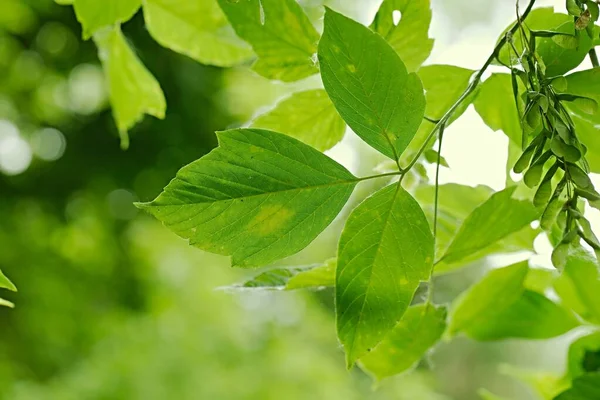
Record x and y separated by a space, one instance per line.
113 306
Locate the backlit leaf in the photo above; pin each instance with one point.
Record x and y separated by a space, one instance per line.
369 85
94 15
420 328
585 387
409 36
198 29
5 283
385 250
308 116
133 90
496 291
578 360
317 276
498 217
259 197
280 34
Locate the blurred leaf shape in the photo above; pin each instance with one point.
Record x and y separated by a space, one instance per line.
308 116
369 85
94 15
132 88
280 34
198 29
408 36
258 197
316 276
585 387
385 250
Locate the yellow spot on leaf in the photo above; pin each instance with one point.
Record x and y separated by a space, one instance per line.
351 68
270 219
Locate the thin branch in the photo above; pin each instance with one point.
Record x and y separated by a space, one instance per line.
594 58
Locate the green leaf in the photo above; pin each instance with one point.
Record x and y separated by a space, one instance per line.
385 250
579 285
409 37
420 328
586 387
545 384
580 350
497 218
584 83
369 85
259 197
499 289
496 105
133 90
5 283
444 84
487 395
94 15
532 316
308 116
198 29
6 303
317 276
280 34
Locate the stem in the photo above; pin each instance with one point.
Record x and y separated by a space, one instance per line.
472 86
437 185
594 58
366 178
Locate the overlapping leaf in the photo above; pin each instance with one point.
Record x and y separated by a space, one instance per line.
259 197
280 34
369 85
385 250
309 116
5 283
316 276
420 328
198 29
133 90
408 36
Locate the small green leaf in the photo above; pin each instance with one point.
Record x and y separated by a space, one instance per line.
573 8
133 90
5 283
95 15
579 285
420 328
409 36
280 34
385 250
496 291
6 303
314 278
259 197
369 85
495 219
532 316
198 29
274 279
585 387
308 116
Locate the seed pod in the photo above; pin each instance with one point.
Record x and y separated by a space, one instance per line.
560 84
579 177
534 173
573 8
544 192
562 130
559 256
523 161
587 234
551 213
589 194
566 151
533 117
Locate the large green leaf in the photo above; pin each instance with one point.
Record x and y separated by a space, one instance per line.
198 29
495 104
496 291
532 316
385 250
558 60
280 34
94 15
308 116
409 36
584 356
259 197
586 387
419 329
498 217
587 132
133 90
369 85
579 285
